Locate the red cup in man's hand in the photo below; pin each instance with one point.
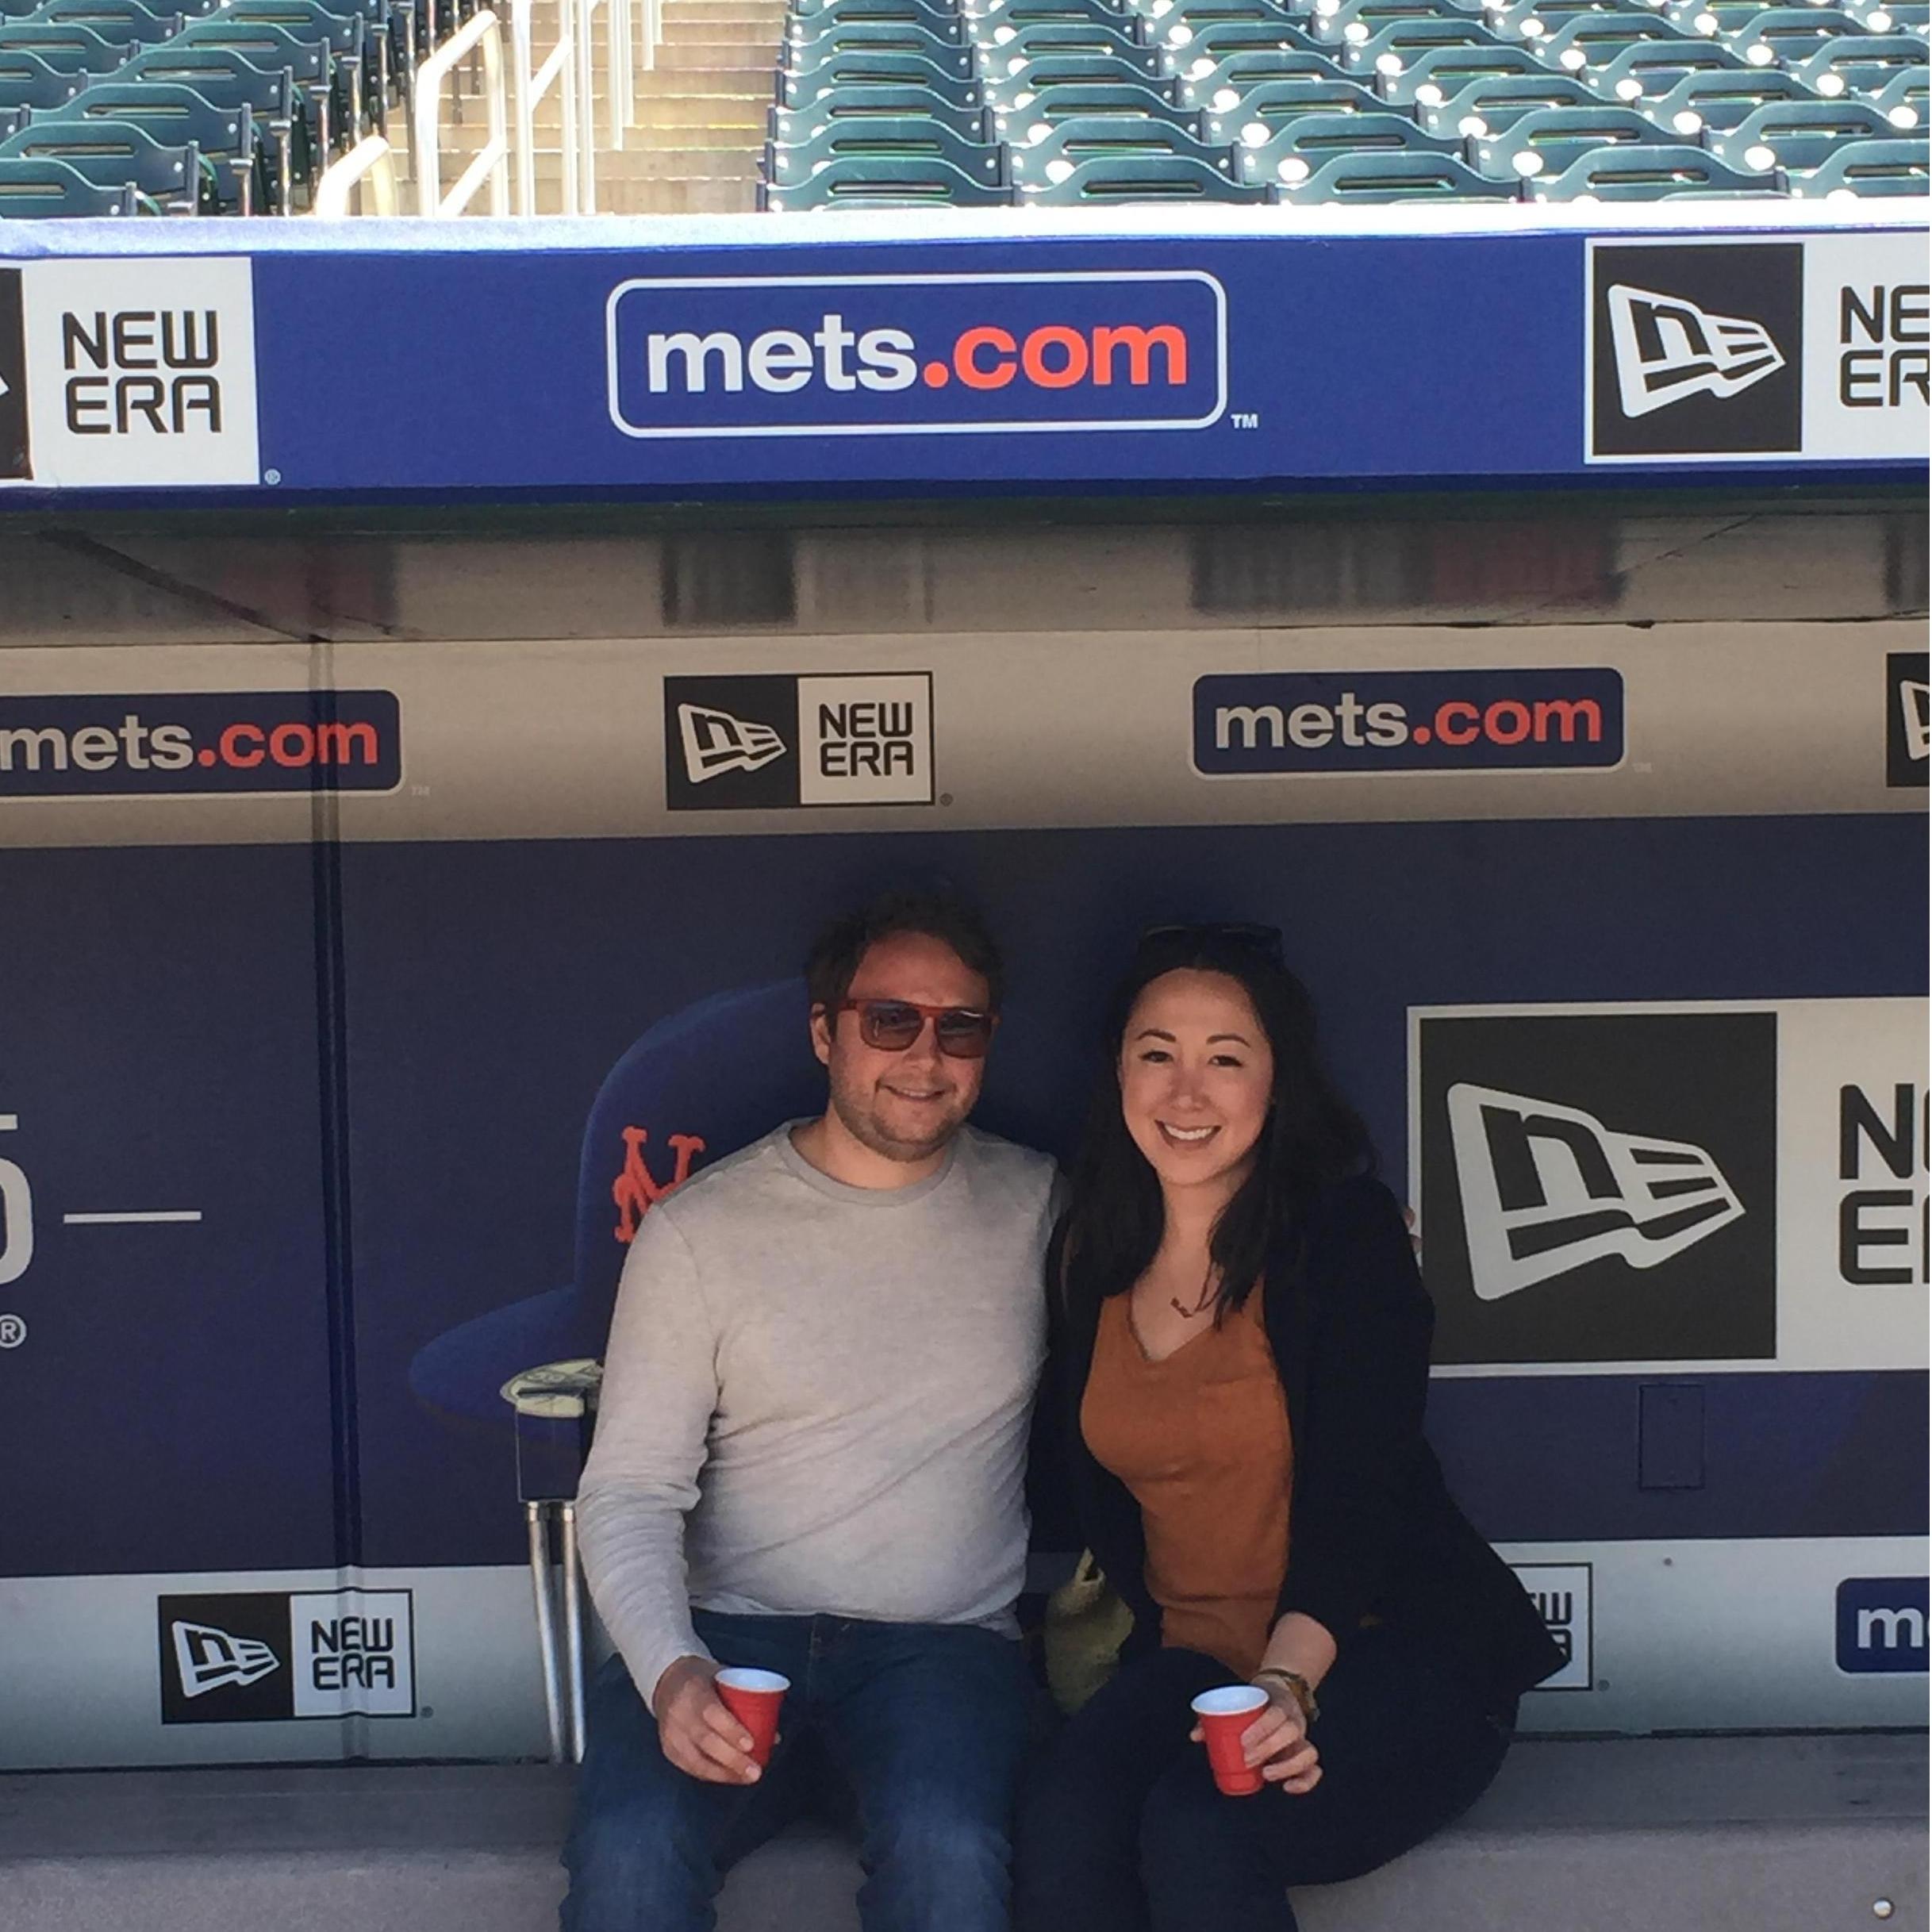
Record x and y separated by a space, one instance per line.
753 1697
1224 1715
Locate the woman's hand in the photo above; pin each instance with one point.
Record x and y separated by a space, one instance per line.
1278 1742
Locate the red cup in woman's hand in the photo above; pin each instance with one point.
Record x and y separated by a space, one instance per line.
753 1697
1224 1716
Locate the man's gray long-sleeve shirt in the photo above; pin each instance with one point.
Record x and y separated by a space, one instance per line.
815 1399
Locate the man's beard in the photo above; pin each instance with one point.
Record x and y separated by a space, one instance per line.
856 1116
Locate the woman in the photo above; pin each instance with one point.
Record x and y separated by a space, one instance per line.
1242 1359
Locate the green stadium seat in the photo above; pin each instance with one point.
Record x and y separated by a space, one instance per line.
1787 36
57 43
1300 147
845 72
116 155
1084 41
1433 76
311 59
1052 158
1402 42
30 189
1035 77
1590 42
858 12
1269 105
1902 100
791 164
1861 63
114 20
1224 84
881 181
792 125
1534 19
1797 136
1034 119
1547 140
810 42
1646 173
1652 68
286 101
1115 179
226 135
1484 107
988 16
1868 170
1419 176
1349 22
1725 99
27 82
1210 46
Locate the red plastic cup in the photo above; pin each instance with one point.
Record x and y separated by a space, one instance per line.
753 1697
1224 1715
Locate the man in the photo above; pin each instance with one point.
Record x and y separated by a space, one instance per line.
809 1458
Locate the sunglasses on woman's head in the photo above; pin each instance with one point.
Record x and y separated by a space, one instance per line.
963 1032
1264 939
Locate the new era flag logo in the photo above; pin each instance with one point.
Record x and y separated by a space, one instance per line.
1668 348
1915 703
208 1658
1546 1188
715 742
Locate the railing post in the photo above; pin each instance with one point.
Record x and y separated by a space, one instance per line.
483 34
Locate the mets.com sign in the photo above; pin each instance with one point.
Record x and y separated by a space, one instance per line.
944 355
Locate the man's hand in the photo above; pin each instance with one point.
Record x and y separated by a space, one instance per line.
698 1734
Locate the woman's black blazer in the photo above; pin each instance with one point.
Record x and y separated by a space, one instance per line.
1373 1531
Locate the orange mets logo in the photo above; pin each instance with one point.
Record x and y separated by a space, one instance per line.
636 1190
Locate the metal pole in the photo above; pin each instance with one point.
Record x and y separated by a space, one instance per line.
573 1628
546 1626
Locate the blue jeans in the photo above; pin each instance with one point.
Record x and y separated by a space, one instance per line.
923 1725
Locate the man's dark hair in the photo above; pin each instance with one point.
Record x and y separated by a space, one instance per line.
837 950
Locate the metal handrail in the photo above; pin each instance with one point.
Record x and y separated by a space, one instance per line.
480 33
531 84
371 161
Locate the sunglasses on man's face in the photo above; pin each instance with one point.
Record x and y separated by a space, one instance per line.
963 1032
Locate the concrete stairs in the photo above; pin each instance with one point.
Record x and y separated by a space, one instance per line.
697 129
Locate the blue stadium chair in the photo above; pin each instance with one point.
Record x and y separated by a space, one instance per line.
1273 103
1035 77
1891 15
1713 102
985 16
311 60
953 83
1651 69
1534 19
1646 173
1115 179
791 124
1229 81
790 164
1549 139
856 13
59 44
1590 42
1488 106
122 21
1035 118
1788 36
1300 148
880 183
117 155
359 34
1861 63
1208 46
1797 136
810 43
289 101
1434 76
1713 19
1107 136
226 135
31 190
1421 176
26 83
1333 19
1088 39
1402 42
1868 170
1903 98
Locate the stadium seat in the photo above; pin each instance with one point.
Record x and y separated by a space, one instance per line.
1137 178
1420 176
1296 150
1229 81
1646 173
1589 43
1868 170
1269 105
1403 42
1796 135
1031 120
1085 40
1726 99
807 44
1902 100
1488 106
1652 68
60 44
884 182
1433 76
1548 139
1861 63
1035 78
928 13
32 189
846 73
1208 46
1108 136
793 124
1349 22
117 155
789 163
312 60
988 16
114 20
289 102
227 136
1788 36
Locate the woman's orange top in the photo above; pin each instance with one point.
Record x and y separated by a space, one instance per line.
1201 1438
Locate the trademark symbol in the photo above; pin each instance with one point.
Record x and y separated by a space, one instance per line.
1247 419
271 476
419 791
13 1330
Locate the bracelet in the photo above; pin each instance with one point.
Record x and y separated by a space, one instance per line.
1298 1688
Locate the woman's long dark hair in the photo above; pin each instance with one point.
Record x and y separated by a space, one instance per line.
1112 1229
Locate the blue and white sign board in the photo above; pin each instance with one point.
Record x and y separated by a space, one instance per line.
956 351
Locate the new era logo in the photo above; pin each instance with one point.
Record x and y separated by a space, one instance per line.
715 742
1546 1188
1598 1186
1668 349
1695 349
207 1658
